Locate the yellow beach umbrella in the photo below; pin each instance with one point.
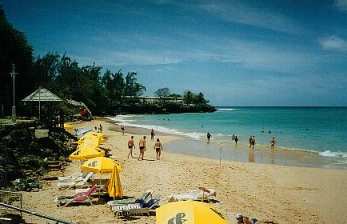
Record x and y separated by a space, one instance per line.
84 153
188 212
96 137
100 165
68 127
114 187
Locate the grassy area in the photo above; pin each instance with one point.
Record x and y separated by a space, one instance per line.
8 121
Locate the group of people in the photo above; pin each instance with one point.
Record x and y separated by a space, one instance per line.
98 129
235 138
251 140
158 147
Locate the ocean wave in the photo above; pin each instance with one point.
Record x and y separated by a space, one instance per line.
227 109
128 120
329 153
122 119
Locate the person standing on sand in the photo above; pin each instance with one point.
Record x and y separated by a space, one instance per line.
152 134
236 139
123 129
208 137
131 146
158 147
142 147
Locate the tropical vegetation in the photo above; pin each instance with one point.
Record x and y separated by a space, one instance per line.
102 91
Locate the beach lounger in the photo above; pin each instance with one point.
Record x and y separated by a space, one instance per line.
74 177
77 183
203 194
129 207
79 132
100 190
80 198
137 212
145 197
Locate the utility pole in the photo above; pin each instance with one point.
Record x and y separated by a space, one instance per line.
13 76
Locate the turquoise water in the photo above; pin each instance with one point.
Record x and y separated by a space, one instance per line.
321 129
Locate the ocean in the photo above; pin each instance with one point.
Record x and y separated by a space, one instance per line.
315 129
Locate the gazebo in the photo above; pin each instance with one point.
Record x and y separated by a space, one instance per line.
42 95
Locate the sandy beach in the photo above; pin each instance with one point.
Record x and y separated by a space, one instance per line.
282 194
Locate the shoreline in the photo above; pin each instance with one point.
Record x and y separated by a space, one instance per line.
282 194
262 154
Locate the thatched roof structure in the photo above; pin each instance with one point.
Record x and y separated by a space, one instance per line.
42 95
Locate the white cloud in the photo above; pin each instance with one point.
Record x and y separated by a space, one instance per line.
341 4
237 12
333 43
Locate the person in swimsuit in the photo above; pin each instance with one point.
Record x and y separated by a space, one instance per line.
131 146
123 129
208 137
158 147
253 142
236 139
142 147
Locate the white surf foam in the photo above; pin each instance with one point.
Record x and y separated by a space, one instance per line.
128 120
226 109
329 153
124 120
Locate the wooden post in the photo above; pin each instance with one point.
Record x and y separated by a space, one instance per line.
220 156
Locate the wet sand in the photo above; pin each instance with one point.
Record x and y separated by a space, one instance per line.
283 194
261 154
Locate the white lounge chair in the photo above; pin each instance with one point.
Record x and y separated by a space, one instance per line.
197 195
74 177
76 184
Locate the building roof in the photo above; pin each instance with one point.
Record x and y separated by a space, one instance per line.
43 95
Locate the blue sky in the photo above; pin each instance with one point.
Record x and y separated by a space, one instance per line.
236 52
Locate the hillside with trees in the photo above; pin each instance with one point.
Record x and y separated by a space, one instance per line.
103 92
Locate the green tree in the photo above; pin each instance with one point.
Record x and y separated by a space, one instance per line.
188 97
14 50
132 86
114 86
199 99
46 69
162 92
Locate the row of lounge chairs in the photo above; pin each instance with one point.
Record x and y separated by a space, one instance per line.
144 205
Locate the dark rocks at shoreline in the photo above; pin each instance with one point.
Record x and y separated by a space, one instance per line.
22 155
163 108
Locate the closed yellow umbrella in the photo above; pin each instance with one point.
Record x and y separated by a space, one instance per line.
100 165
188 212
114 187
84 153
